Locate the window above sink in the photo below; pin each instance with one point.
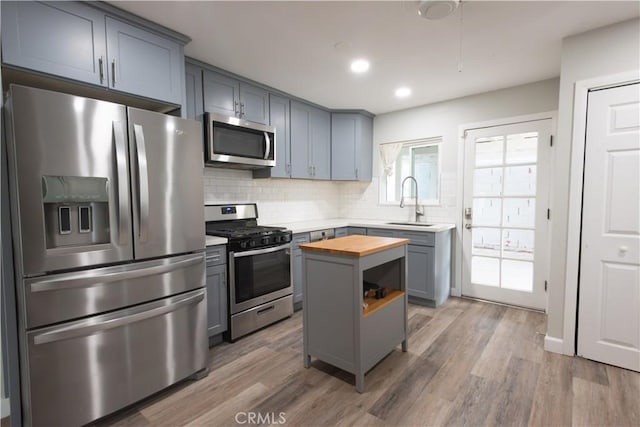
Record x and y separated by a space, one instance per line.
418 158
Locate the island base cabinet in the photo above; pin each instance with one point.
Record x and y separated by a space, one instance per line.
337 328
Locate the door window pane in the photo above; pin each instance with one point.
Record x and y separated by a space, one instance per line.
517 275
522 148
519 212
486 241
520 181
518 244
486 211
487 182
485 271
489 151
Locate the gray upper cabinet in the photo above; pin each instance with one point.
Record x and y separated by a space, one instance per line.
143 63
279 118
221 94
351 147
310 142
76 41
62 38
193 84
230 97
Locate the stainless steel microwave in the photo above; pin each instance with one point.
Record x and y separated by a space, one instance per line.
236 143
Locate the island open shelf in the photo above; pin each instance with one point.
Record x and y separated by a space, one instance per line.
342 326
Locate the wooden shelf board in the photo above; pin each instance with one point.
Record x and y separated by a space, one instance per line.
376 304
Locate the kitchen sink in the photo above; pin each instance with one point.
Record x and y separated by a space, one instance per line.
421 224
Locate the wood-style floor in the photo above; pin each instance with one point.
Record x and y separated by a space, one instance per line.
469 363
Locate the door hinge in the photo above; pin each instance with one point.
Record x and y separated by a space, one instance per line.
548 213
545 286
551 141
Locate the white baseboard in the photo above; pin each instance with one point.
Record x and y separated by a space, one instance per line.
455 292
5 408
554 345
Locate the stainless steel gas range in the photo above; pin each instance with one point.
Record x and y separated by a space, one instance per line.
259 262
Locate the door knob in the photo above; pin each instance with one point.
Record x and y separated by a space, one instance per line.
623 249
467 226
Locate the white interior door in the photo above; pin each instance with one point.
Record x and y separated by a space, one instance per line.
506 194
609 299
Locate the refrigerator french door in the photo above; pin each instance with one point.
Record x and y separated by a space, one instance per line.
108 233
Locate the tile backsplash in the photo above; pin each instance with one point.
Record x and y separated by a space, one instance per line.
289 200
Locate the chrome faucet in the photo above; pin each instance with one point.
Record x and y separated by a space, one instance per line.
419 212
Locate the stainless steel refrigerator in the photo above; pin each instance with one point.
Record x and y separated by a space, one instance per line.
108 235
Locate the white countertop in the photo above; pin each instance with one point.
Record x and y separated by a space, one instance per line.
306 226
214 240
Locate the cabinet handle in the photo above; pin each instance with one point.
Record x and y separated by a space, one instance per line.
241 109
356 172
113 71
101 69
236 110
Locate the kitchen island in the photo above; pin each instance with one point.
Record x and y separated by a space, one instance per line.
341 325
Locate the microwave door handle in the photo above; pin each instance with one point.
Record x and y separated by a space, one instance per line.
267 143
143 182
122 186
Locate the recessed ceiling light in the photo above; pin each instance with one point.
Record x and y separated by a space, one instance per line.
360 66
403 92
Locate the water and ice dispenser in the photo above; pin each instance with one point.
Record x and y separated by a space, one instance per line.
76 210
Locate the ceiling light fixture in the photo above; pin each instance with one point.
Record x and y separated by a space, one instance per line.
360 66
437 9
403 92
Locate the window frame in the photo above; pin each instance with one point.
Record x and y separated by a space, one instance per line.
411 201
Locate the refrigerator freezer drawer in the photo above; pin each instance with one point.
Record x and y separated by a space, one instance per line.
83 370
62 297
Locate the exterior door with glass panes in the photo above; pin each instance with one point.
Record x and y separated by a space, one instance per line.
506 199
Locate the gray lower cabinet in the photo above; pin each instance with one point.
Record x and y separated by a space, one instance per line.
296 267
310 142
341 232
76 41
217 315
231 97
351 147
429 264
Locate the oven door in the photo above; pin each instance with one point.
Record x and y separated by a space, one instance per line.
259 276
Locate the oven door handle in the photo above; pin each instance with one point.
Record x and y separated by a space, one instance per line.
259 251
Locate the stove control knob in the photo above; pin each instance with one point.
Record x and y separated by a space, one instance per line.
252 243
265 241
243 245
276 239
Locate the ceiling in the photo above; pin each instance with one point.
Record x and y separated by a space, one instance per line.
305 48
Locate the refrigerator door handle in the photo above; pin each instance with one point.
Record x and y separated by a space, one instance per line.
122 318
90 278
122 187
143 182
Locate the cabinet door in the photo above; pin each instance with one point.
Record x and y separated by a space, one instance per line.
296 265
221 94
254 104
420 276
216 299
193 85
143 63
341 232
279 118
320 143
344 133
364 150
356 231
300 130
66 39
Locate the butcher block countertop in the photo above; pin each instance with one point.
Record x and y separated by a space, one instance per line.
355 245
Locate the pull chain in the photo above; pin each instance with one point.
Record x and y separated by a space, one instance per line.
460 41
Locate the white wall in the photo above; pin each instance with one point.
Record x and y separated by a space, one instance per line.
608 50
360 200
